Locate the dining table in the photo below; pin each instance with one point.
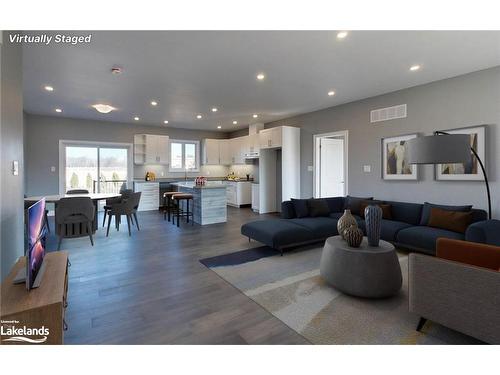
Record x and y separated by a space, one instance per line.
95 197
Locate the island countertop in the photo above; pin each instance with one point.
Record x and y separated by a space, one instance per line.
192 185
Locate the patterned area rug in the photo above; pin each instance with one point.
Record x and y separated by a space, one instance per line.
291 288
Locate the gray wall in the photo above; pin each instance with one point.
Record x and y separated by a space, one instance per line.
462 101
42 146
11 138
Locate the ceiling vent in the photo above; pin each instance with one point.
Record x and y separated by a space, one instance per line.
388 113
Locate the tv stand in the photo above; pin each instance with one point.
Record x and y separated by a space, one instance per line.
39 308
20 278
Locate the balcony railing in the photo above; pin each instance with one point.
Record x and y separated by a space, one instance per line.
110 186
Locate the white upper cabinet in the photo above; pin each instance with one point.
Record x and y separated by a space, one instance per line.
211 152
270 138
253 144
150 149
225 152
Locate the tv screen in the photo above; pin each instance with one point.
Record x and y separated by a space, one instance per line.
36 241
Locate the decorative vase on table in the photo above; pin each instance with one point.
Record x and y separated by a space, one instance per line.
345 222
353 236
373 221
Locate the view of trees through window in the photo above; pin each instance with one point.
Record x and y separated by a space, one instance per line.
183 155
84 164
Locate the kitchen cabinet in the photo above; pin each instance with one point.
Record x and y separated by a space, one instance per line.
211 152
271 138
253 145
255 197
151 149
225 152
239 193
150 197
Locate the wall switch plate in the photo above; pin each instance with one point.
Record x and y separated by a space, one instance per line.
15 167
310 168
52 169
367 168
162 173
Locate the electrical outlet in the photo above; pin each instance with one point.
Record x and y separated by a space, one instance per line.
52 169
310 168
162 173
15 167
367 168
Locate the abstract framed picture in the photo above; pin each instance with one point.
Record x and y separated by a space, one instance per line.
471 170
395 164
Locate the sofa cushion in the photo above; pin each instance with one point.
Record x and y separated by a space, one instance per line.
277 233
354 203
287 210
390 228
318 207
425 237
426 211
322 227
300 206
336 204
451 220
406 212
475 254
338 215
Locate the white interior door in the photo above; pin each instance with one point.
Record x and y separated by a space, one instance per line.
332 167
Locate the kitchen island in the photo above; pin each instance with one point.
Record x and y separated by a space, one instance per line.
209 201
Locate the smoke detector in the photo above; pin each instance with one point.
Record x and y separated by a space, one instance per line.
116 70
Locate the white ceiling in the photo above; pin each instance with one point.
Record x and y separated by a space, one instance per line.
189 72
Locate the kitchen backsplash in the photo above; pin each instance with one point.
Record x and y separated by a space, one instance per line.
205 170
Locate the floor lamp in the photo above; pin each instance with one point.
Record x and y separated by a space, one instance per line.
442 148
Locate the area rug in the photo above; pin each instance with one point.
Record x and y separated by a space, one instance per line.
291 288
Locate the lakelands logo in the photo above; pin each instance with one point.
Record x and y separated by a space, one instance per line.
48 39
19 334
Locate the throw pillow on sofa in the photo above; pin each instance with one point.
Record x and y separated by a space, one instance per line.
354 203
426 211
386 209
301 208
455 221
318 207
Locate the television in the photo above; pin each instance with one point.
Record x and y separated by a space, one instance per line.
37 236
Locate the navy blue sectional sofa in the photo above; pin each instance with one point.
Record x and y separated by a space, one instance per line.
406 229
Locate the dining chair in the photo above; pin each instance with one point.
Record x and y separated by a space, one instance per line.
127 207
74 218
125 193
77 191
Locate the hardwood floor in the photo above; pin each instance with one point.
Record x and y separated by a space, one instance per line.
151 288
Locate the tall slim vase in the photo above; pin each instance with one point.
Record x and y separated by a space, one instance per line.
373 221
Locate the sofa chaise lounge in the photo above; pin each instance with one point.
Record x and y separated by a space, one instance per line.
407 227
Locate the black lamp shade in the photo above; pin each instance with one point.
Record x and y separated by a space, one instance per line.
439 149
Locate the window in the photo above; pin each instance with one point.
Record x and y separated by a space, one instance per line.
184 156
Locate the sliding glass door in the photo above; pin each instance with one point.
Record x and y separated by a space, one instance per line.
98 168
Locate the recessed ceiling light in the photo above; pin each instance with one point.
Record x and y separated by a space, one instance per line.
136 118
154 103
414 67
219 127
331 93
103 108
165 122
198 116
235 122
214 109
261 76
49 88
255 115
342 34
58 110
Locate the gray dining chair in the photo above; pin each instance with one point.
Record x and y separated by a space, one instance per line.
77 191
127 207
125 193
74 218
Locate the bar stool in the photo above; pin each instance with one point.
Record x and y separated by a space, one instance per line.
168 207
178 198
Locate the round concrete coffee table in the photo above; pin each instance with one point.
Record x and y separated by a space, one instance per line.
366 271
